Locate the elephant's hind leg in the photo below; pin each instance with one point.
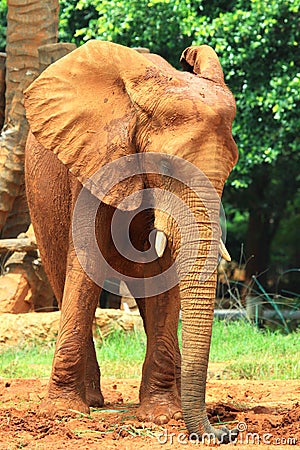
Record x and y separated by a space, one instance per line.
93 393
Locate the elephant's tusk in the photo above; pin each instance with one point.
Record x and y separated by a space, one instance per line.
224 252
123 290
160 243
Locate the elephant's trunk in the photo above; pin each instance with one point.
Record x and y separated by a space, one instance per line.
197 291
197 316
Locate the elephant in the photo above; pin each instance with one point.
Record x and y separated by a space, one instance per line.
97 109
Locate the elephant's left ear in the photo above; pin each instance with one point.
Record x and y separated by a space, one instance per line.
79 109
203 61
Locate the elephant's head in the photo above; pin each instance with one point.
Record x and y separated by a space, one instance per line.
104 101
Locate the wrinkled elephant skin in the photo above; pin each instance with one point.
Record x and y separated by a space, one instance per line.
100 103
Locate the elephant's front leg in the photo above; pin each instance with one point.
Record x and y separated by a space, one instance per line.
74 381
160 386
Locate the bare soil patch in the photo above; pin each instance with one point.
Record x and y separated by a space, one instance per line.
267 412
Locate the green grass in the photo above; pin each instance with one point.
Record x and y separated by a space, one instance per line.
245 351
255 354
122 354
29 360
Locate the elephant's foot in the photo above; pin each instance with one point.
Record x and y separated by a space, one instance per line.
63 406
160 408
94 397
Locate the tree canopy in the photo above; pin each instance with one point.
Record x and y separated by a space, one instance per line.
3 12
163 26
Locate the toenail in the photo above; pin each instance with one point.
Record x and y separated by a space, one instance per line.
161 420
177 415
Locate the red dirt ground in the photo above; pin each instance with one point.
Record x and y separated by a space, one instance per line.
266 412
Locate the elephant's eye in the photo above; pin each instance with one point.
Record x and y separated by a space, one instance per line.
165 167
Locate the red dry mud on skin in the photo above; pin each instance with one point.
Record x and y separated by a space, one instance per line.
271 409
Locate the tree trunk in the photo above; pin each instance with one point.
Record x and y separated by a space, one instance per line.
18 219
30 25
50 53
2 88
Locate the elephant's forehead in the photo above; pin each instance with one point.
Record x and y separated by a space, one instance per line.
193 127
181 98
190 111
197 100
202 93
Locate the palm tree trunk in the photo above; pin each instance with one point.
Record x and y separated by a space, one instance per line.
2 88
18 219
30 25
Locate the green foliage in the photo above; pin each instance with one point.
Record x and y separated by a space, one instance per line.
3 12
72 19
236 229
164 26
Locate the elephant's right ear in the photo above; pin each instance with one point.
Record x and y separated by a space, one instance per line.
79 108
203 61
